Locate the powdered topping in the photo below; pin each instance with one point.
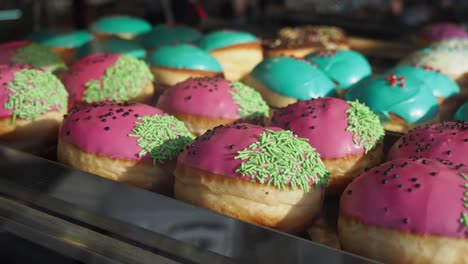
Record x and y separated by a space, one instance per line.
163 137
121 82
446 141
442 31
321 36
251 103
365 125
33 93
419 196
38 56
282 159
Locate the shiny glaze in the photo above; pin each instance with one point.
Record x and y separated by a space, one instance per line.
162 35
346 67
443 31
319 119
61 38
440 84
429 200
184 56
92 67
412 102
294 78
85 127
462 113
120 25
224 38
111 45
447 141
201 97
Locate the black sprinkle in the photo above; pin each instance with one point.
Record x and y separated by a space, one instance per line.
349 192
107 128
405 221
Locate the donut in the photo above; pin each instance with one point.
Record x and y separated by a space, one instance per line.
401 102
176 63
135 144
28 53
353 135
262 175
446 141
114 77
344 67
238 52
300 41
462 113
204 103
440 31
32 105
284 80
125 27
62 42
111 45
164 35
407 211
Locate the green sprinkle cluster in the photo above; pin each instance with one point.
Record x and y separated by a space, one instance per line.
365 125
163 137
34 93
39 56
251 103
281 158
464 217
121 82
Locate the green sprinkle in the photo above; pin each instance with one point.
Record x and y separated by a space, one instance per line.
39 56
163 137
121 82
464 217
365 125
251 103
282 159
34 93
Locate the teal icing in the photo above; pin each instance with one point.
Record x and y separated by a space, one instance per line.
440 84
224 38
346 67
61 38
111 45
462 113
162 35
413 103
184 57
293 78
121 25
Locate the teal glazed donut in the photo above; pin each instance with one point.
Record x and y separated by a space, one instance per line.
162 35
462 113
224 38
61 38
111 45
116 25
397 95
345 67
289 77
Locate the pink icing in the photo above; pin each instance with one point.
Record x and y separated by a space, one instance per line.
103 128
324 122
7 50
92 67
425 197
446 141
208 97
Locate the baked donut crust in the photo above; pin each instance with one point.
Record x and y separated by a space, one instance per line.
238 60
299 52
398 125
141 174
391 246
146 95
172 76
289 210
67 54
31 135
272 98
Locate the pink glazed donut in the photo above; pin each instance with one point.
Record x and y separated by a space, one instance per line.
407 211
203 103
347 135
261 175
131 143
446 141
113 77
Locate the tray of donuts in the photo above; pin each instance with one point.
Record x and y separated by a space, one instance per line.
309 142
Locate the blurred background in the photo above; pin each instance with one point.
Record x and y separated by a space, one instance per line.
384 19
